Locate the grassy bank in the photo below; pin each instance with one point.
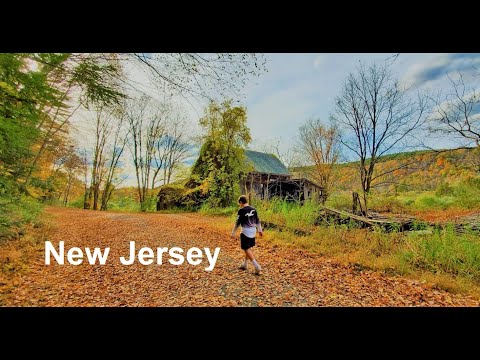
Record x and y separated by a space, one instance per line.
17 213
449 260
464 195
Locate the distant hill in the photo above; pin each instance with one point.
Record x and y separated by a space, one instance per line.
418 170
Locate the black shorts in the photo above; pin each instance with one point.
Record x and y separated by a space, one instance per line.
246 242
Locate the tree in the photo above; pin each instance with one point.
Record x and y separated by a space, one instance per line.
84 170
24 92
40 92
457 115
102 131
110 131
80 80
72 165
378 117
222 160
172 148
177 147
321 146
199 75
117 147
458 112
146 123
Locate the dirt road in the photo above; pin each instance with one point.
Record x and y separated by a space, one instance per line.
290 277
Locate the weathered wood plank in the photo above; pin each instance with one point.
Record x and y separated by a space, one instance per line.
393 223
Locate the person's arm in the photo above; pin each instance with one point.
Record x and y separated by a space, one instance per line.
259 225
236 225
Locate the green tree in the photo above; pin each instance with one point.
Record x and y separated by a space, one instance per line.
88 80
24 92
222 160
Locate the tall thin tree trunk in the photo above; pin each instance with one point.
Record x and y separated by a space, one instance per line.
95 196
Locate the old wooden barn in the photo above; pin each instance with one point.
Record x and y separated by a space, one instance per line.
270 178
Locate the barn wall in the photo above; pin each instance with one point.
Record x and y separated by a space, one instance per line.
266 186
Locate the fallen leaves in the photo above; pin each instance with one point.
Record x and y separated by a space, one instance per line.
290 277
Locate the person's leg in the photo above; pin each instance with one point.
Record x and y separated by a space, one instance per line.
245 262
250 255
244 245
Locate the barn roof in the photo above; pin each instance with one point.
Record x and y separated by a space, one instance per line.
266 163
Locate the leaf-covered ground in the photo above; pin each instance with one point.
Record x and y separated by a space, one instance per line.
290 277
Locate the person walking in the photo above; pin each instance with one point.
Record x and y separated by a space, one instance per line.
247 218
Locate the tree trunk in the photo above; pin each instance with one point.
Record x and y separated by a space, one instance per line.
104 202
95 197
67 190
86 196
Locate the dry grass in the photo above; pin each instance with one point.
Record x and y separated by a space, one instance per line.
376 251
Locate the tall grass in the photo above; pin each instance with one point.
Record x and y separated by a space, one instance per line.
463 195
289 214
444 251
230 211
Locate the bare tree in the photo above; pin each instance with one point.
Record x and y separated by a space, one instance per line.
146 126
103 129
378 117
110 130
159 159
199 75
172 148
321 146
84 167
177 146
117 146
458 113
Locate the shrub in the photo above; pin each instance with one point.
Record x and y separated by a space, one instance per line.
340 200
125 203
170 196
15 213
386 204
433 202
444 189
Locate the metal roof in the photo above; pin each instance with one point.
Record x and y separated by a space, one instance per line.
266 163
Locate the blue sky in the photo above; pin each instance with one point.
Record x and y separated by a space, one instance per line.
299 86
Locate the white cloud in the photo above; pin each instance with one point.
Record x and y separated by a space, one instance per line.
437 66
